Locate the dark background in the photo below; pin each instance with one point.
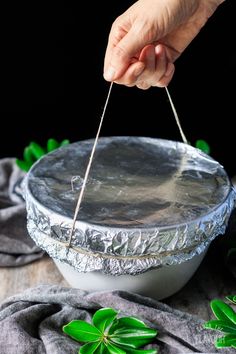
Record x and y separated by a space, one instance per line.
51 71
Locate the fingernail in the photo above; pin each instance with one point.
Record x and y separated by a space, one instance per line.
170 68
109 74
138 71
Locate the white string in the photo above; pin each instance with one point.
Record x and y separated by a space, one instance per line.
88 167
176 117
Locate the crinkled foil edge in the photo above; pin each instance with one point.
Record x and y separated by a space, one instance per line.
166 247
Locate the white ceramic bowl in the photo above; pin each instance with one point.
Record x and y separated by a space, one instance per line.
157 283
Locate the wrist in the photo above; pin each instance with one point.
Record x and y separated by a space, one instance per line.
215 3
208 7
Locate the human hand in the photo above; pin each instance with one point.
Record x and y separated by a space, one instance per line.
145 41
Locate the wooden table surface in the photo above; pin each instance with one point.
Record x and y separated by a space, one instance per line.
15 280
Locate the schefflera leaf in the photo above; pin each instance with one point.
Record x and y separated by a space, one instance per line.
103 318
133 337
222 326
223 312
126 322
109 335
112 349
203 145
90 348
28 161
65 142
102 349
28 155
82 331
23 165
228 341
231 298
52 144
130 329
225 322
34 151
37 150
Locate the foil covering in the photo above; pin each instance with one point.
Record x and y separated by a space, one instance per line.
148 203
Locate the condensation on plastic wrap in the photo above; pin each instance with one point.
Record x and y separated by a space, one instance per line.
148 203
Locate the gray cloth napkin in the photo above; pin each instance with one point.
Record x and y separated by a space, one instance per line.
31 322
16 247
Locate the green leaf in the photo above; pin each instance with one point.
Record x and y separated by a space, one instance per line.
227 341
223 326
89 348
52 144
231 298
128 335
135 332
127 322
131 343
222 311
23 165
114 350
133 337
82 331
103 318
102 349
203 145
28 155
37 150
114 326
65 142
132 322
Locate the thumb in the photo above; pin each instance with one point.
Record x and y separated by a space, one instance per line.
121 54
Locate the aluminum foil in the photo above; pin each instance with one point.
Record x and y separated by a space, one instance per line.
148 203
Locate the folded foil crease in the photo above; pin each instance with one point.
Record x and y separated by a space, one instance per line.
120 252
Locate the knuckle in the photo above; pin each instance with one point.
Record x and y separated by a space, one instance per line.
116 23
117 30
143 85
158 77
145 28
119 52
163 82
127 81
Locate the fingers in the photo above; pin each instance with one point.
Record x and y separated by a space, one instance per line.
118 57
118 31
152 69
132 73
156 63
128 36
163 81
147 62
172 22
166 79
